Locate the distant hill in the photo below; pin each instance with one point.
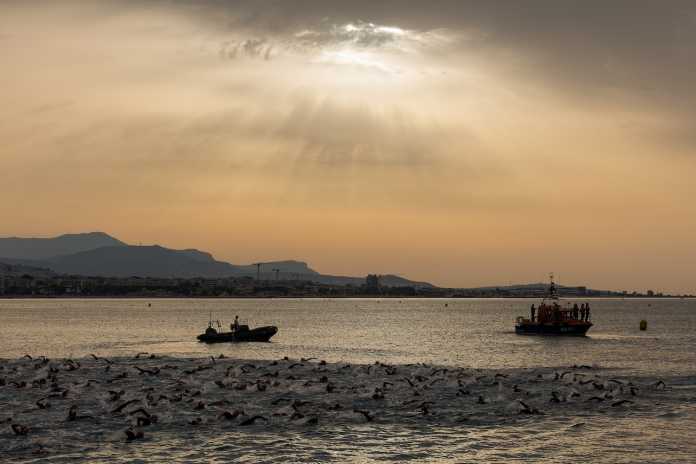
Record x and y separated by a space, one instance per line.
284 267
142 261
534 287
98 254
18 270
44 248
384 280
157 261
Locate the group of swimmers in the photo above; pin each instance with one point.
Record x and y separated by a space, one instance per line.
553 313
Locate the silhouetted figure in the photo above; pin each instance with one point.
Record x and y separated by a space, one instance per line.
533 310
235 326
587 313
133 434
19 430
576 310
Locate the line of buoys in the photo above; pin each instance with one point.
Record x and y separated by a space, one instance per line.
643 325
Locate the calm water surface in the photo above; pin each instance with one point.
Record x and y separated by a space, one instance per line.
472 333
476 333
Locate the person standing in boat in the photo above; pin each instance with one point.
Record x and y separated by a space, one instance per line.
576 311
587 312
235 325
533 310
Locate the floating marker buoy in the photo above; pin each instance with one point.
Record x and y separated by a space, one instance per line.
643 325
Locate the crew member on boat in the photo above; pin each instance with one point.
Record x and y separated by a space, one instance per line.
532 309
235 326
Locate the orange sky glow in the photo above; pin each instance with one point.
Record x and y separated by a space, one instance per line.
464 144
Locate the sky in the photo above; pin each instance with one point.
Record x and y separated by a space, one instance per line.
463 143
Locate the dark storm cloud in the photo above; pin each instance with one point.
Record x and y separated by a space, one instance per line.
626 50
634 52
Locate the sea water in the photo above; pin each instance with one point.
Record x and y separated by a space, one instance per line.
470 333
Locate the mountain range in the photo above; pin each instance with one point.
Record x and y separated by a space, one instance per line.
99 254
46 248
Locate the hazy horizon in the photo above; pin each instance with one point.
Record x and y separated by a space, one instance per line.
460 143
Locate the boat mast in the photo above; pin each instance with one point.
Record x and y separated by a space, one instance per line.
553 294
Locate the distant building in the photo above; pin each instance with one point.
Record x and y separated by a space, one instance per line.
372 283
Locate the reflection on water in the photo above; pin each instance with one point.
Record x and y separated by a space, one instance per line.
456 332
471 333
627 440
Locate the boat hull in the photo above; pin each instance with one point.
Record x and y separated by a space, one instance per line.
260 334
578 329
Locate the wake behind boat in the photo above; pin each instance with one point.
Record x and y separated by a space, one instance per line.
238 333
552 319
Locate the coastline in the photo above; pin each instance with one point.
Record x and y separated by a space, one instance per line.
332 297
